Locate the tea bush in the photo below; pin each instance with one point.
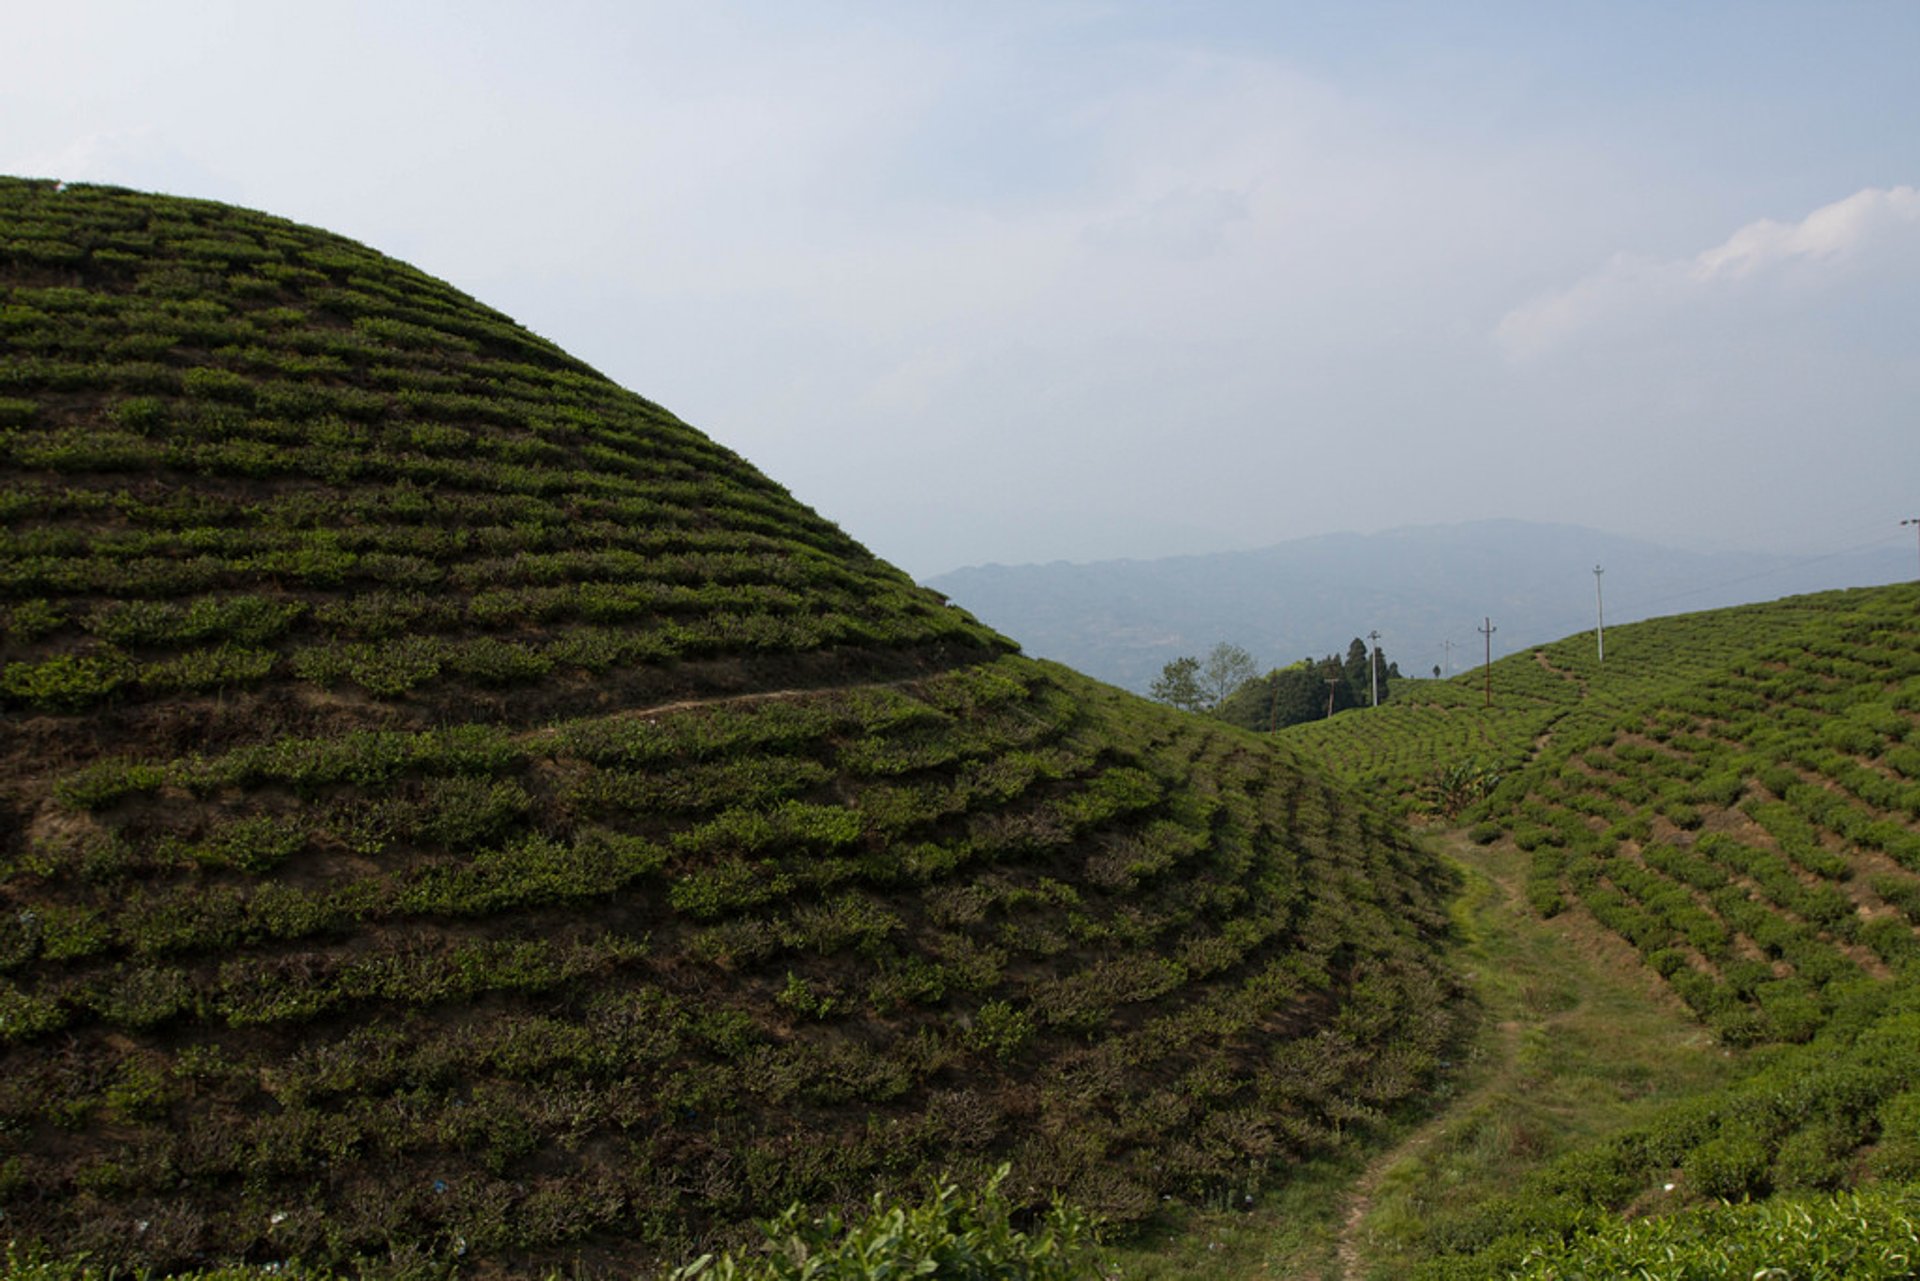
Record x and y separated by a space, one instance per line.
968 1235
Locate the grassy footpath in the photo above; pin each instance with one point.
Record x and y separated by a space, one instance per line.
1577 1040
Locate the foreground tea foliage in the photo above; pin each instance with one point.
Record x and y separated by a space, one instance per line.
452 812
965 1235
1867 1236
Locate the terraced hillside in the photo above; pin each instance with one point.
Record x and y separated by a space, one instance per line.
451 809
1494 720
1756 834
1734 797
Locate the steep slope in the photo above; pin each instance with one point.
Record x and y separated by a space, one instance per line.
452 809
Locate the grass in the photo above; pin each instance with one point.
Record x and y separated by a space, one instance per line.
1577 1044
1288 1231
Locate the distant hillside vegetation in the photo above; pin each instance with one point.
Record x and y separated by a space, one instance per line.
1419 586
453 812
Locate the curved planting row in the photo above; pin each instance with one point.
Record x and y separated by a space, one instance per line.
1751 835
454 814
237 455
635 974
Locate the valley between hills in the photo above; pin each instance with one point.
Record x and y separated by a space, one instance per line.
458 819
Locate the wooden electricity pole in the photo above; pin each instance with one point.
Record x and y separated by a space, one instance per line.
1915 522
1487 631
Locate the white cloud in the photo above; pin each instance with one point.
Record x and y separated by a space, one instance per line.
1632 290
1831 232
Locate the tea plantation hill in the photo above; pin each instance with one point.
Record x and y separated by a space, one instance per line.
453 810
1734 796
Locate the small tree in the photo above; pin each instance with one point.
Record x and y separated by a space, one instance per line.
1227 668
1355 669
1179 685
1193 686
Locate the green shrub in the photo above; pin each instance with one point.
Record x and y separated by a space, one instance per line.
1731 1166
1897 1155
1000 1030
140 996
1683 816
31 619
254 844
1814 1158
203 669
497 662
67 682
1904 759
965 1236
1860 1236
144 414
217 384
23 1015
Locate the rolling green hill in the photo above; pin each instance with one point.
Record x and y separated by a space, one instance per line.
1733 798
451 811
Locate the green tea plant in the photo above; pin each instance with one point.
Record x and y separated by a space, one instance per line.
950 1234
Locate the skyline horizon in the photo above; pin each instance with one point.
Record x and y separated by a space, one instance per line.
1062 281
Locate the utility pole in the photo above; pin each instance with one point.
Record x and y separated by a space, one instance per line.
1373 666
1449 645
1599 615
1331 682
1487 631
1915 522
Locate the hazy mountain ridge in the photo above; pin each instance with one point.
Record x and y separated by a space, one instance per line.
1419 586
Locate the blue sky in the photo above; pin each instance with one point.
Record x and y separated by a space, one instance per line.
1042 281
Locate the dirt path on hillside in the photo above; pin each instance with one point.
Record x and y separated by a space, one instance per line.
1564 988
1349 1252
1546 664
722 700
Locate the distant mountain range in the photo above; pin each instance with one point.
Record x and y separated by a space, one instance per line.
1419 587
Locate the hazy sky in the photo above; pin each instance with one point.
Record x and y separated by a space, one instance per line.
1034 280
